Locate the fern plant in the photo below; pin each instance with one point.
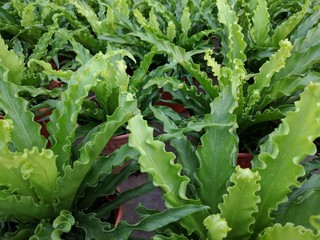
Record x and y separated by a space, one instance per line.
277 93
59 191
244 203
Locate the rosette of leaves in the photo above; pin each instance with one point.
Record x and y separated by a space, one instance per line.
246 98
274 58
29 28
59 192
268 201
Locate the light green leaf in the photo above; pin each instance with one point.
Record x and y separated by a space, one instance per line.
288 231
94 144
121 76
299 63
171 31
300 205
285 28
235 45
287 86
261 24
50 72
62 224
179 55
242 197
185 20
23 208
86 10
154 221
216 161
12 63
11 163
26 133
151 26
285 148
263 78
28 16
198 102
306 24
64 118
166 174
41 170
217 227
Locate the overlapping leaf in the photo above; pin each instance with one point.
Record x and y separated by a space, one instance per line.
243 197
166 174
285 148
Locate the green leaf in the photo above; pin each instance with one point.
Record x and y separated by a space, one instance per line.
125 197
61 224
94 144
217 227
298 64
154 221
166 174
300 205
309 40
23 208
171 31
287 86
267 115
12 63
103 166
93 227
288 231
83 54
107 186
241 196
63 120
7 17
173 236
41 231
263 78
90 15
185 150
179 55
11 163
235 45
50 72
26 133
198 102
216 161
307 23
185 22
41 170
41 48
314 220
138 75
23 232
261 24
285 148
285 28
